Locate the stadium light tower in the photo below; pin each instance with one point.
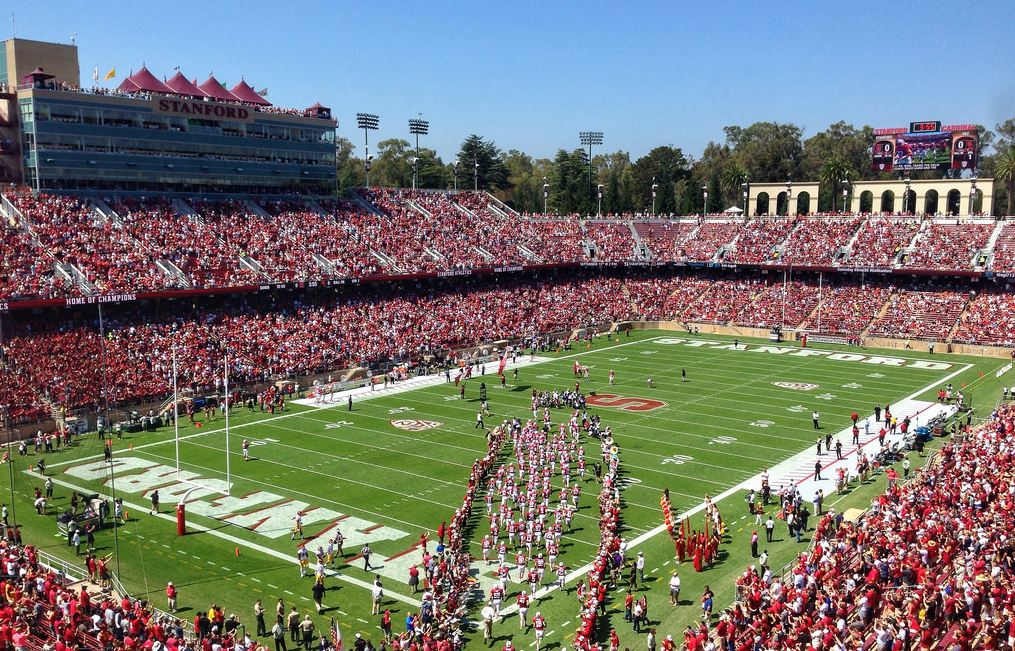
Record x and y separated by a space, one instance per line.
455 165
655 187
845 194
546 193
743 187
417 127
599 208
475 175
905 197
368 122
789 195
589 138
415 170
704 196
972 193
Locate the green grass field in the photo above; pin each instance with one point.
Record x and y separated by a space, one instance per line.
386 485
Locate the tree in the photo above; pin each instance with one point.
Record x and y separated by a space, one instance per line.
770 151
664 166
1005 134
1004 171
836 171
391 168
568 178
732 178
482 160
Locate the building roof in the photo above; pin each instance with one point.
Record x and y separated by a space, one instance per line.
245 93
215 90
183 86
143 80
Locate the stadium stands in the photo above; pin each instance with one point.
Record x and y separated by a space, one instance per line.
920 314
949 245
758 239
847 309
613 241
817 240
880 240
663 238
74 235
711 235
1004 249
989 320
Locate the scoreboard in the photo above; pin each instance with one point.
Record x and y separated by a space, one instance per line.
925 145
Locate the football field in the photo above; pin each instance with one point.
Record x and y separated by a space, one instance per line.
396 465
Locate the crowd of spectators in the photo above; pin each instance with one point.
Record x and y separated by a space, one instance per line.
663 238
928 566
1004 249
924 313
295 337
705 241
847 309
415 231
949 245
663 299
722 302
74 234
26 270
613 241
779 303
757 240
880 240
989 319
817 240
186 241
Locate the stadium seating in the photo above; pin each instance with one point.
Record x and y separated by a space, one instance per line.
74 235
880 240
1004 249
26 270
663 299
920 314
786 304
758 238
187 242
817 240
663 238
613 240
949 245
711 235
989 320
847 309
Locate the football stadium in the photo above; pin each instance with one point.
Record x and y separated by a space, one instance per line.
263 387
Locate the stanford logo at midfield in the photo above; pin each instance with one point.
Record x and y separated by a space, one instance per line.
797 386
415 424
624 402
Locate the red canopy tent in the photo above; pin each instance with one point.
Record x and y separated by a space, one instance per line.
243 92
142 80
183 86
215 90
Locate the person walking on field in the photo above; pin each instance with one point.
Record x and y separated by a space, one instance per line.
259 617
814 419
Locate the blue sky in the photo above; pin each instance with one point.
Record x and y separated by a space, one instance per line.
531 75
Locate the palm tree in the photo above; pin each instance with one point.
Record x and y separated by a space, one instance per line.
733 177
836 171
1004 171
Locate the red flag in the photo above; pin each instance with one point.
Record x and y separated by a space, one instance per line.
468 372
458 378
503 362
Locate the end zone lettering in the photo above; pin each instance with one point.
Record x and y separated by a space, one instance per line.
793 351
3 306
